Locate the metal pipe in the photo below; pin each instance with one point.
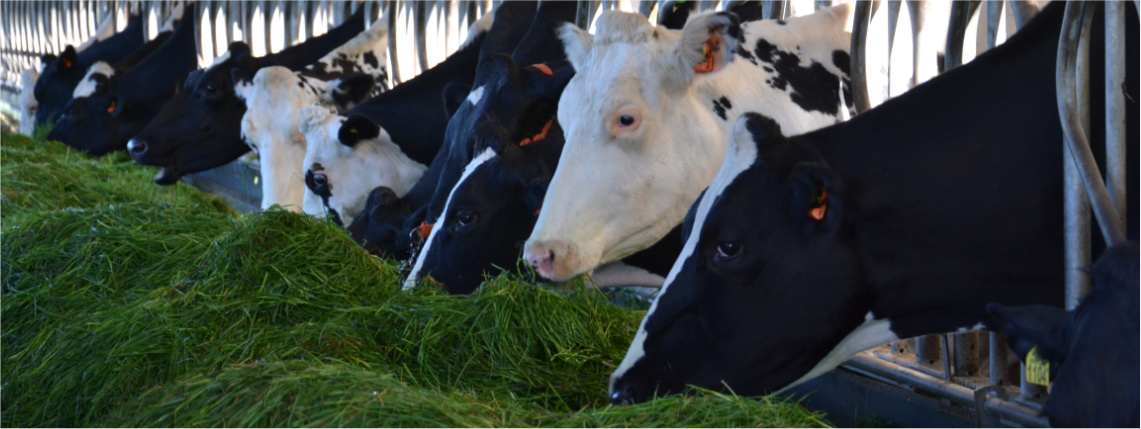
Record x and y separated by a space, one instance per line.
965 353
927 349
1072 81
919 382
993 18
1115 158
420 12
961 13
394 71
998 355
585 15
646 7
858 51
1024 11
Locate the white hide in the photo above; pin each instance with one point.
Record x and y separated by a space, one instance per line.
28 103
641 182
352 172
274 99
88 84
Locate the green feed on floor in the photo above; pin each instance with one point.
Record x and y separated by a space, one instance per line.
129 304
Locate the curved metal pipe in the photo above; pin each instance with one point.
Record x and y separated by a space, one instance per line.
1075 25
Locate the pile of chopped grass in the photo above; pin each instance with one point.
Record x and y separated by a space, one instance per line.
168 312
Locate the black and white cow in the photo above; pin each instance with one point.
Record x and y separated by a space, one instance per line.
101 72
647 116
1092 351
200 128
275 96
354 172
119 105
60 75
906 220
520 99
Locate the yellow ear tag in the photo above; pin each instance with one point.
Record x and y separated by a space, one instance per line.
1037 369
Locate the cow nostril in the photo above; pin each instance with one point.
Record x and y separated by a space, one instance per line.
623 396
137 147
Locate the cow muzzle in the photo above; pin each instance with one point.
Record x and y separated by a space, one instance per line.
137 147
554 260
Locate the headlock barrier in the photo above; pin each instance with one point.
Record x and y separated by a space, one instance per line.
954 379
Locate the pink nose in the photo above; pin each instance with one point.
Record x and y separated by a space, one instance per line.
542 259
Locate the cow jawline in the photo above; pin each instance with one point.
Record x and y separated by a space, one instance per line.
167 176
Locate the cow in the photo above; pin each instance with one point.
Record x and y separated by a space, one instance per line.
1092 350
906 220
101 72
60 75
120 105
647 115
368 146
275 96
200 128
502 91
28 104
493 206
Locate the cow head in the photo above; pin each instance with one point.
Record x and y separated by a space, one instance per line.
28 104
489 212
345 159
274 99
629 113
200 127
1092 350
55 85
94 124
751 247
383 227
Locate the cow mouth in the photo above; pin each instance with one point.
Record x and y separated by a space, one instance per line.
167 176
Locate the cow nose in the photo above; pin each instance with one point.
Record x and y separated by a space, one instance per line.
623 395
137 147
542 259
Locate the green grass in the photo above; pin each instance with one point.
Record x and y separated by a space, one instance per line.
126 304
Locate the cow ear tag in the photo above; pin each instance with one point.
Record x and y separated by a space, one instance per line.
424 229
543 69
1037 368
111 108
66 63
708 47
542 134
820 206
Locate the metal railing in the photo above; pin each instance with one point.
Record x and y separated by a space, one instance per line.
962 368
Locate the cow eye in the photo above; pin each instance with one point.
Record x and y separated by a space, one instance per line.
625 120
211 88
465 218
727 250
320 180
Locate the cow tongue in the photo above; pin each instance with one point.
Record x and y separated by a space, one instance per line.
167 176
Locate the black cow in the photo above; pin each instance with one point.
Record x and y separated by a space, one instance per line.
503 91
122 104
1092 350
906 220
60 75
200 128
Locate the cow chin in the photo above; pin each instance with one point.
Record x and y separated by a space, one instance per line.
558 261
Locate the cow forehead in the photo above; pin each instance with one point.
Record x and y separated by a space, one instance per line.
622 73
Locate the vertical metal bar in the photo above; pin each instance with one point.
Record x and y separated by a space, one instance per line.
961 13
1115 158
993 16
585 15
420 12
1077 206
646 7
965 353
858 52
927 349
998 355
1023 11
394 71
266 17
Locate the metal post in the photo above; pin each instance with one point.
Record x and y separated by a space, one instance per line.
858 51
966 353
1115 158
961 13
993 17
927 349
998 354
585 16
394 70
420 12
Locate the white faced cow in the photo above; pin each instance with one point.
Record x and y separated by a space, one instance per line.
28 103
648 113
275 96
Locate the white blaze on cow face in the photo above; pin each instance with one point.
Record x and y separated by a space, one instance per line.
89 84
479 160
350 173
646 133
28 104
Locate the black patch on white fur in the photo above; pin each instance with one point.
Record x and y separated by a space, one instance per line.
813 88
721 106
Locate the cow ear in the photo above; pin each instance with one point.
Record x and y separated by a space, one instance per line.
814 198
352 90
544 83
355 129
576 43
534 194
454 95
1030 326
47 59
69 58
238 48
706 46
380 197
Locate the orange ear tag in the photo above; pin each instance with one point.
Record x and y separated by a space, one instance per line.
542 134
543 68
537 212
111 108
66 64
820 207
424 229
707 49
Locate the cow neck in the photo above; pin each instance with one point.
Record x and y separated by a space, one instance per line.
917 273
417 101
312 50
162 69
114 48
